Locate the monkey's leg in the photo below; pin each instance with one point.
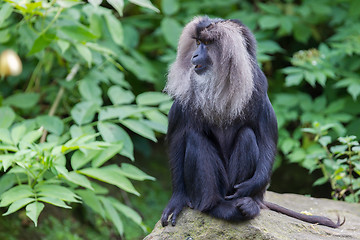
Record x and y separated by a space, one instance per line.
207 182
235 210
244 158
242 165
204 173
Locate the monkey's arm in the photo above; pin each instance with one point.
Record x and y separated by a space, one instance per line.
176 141
266 138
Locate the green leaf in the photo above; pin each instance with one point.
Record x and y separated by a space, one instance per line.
269 8
159 127
7 160
113 215
152 98
74 177
85 53
68 3
107 154
14 194
6 36
7 181
52 124
269 22
354 90
17 132
115 29
145 4
5 12
156 116
99 48
80 159
89 89
118 5
297 155
287 145
338 149
77 32
7 117
113 133
171 30
54 201
33 211
90 199
110 176
84 112
139 128
128 212
41 43
95 3
325 140
133 172
170 7
293 79
22 100
320 181
64 45
30 138
118 95
165 107
18 204
55 191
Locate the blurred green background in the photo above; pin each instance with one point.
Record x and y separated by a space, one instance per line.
119 52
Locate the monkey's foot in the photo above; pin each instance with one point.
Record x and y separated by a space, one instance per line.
248 207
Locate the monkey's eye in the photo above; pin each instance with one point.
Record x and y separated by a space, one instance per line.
206 42
198 42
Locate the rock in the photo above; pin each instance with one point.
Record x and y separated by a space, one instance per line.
194 225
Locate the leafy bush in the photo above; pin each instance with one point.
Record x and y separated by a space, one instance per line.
339 163
63 118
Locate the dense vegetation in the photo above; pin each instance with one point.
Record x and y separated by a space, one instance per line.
90 93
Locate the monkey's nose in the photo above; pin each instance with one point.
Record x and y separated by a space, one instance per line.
194 59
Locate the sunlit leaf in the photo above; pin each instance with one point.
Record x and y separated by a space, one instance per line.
18 204
22 100
85 53
152 98
118 95
115 29
113 215
139 128
110 176
33 211
84 112
145 3
14 194
111 132
7 117
52 124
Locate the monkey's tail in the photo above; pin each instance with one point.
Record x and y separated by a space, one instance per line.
306 218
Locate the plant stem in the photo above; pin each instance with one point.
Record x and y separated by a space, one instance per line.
52 21
59 95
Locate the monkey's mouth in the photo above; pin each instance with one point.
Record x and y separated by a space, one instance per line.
199 69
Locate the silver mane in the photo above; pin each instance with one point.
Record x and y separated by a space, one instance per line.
224 90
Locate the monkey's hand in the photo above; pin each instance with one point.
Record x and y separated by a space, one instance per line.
242 190
174 207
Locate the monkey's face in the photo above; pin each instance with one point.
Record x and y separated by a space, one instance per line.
201 58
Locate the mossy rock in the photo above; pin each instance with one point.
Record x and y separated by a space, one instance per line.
194 225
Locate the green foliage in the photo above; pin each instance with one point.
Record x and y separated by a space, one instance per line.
60 160
339 162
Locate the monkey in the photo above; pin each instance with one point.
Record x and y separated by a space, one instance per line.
222 133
